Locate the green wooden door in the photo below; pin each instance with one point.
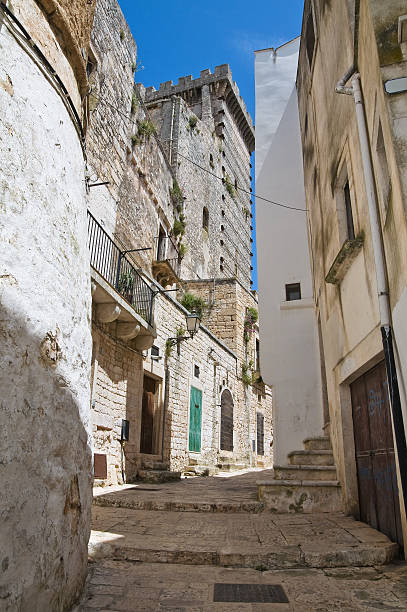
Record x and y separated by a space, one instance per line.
195 419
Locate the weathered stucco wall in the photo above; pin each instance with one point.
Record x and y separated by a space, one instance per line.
349 311
45 470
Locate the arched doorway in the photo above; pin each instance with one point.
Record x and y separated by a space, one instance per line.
226 421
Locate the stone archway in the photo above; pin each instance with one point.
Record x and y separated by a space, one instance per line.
226 421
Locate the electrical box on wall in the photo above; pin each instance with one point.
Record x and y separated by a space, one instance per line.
125 430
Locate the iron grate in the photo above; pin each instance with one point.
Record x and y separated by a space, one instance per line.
250 593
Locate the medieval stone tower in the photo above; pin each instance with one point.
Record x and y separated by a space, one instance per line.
208 136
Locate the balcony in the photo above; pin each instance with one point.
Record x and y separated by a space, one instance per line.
167 260
120 295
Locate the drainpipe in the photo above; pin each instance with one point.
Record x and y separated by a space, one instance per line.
380 265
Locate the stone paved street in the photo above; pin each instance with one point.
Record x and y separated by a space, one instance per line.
170 559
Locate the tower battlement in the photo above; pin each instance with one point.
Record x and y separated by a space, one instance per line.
221 83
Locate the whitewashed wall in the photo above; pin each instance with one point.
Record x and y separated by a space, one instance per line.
289 348
45 344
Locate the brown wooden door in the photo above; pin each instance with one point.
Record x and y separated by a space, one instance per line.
374 447
226 421
147 423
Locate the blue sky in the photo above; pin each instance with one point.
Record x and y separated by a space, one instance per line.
176 38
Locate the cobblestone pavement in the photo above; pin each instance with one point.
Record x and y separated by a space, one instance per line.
150 560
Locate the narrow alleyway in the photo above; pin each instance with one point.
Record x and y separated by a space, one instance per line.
181 546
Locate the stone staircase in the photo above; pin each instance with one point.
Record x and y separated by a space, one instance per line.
156 472
308 483
227 464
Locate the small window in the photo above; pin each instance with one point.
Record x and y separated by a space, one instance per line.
223 213
155 351
91 63
236 184
293 292
384 187
310 37
348 209
257 355
196 371
222 228
212 165
205 219
223 169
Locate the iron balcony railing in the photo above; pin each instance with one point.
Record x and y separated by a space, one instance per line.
165 249
111 263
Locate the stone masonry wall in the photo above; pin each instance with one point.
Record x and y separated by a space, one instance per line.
45 342
137 199
225 316
118 379
133 207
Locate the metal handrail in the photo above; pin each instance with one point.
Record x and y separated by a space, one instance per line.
111 263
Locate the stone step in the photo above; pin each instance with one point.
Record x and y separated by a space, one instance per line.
231 467
178 505
159 545
318 443
311 457
304 496
305 472
155 476
199 470
153 465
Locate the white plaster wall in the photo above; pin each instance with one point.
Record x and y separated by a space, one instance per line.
45 344
289 347
276 69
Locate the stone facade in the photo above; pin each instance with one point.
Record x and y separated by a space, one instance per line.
45 341
152 187
343 261
197 121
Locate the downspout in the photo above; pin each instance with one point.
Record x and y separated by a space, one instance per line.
379 258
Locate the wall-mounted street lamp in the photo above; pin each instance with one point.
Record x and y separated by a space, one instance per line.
193 323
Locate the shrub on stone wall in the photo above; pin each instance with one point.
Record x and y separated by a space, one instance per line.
193 302
229 187
146 129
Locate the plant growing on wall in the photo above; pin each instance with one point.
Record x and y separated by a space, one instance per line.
192 121
176 193
250 319
229 187
179 226
168 348
134 104
182 250
121 34
135 140
247 374
193 302
146 129
180 332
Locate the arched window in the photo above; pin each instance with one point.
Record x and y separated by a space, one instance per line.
205 219
226 421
